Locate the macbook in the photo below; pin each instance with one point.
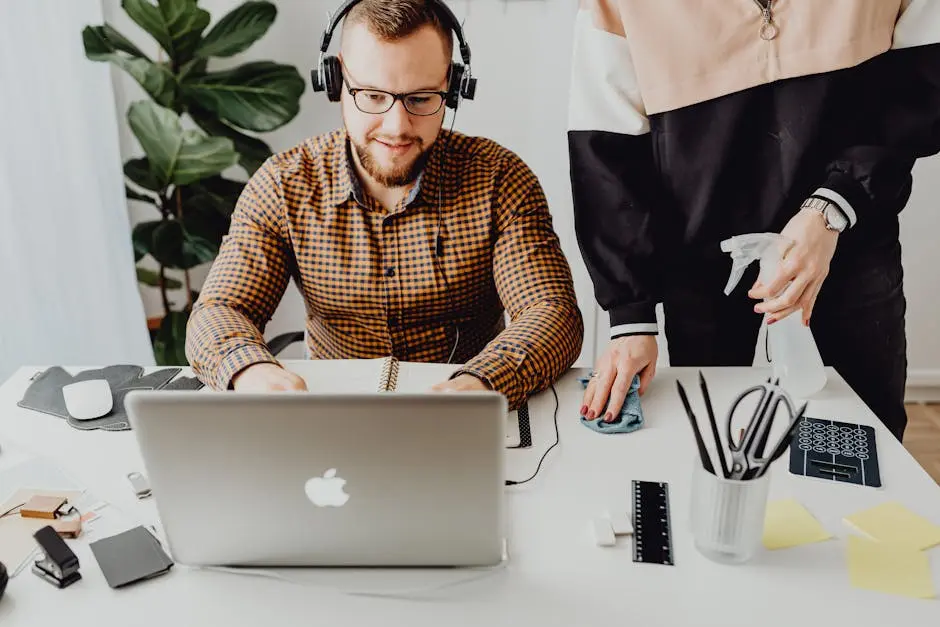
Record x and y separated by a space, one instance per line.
304 479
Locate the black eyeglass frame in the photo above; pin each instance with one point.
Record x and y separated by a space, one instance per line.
396 97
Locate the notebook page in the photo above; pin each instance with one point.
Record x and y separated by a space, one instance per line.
416 377
339 376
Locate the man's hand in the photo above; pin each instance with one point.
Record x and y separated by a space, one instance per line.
624 358
805 266
267 377
461 383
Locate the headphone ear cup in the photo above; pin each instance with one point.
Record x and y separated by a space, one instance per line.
332 78
455 79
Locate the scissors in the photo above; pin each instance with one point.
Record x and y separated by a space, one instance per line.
747 452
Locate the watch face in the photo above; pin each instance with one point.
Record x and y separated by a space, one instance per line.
835 218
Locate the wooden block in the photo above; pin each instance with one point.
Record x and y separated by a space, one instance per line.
40 506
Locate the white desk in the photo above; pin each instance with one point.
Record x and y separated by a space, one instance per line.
556 576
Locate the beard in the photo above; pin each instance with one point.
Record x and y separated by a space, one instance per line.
397 175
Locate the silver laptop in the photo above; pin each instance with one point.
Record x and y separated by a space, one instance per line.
302 479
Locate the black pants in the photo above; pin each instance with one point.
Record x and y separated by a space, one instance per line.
858 324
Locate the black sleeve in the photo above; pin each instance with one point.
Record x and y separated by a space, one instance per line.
612 173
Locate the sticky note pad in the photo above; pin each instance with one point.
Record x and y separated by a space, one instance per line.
788 524
892 522
888 567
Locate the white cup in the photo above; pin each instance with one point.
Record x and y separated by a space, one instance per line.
727 515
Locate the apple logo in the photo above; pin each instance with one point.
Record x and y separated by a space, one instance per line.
326 491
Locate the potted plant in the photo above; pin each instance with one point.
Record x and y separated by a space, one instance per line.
194 127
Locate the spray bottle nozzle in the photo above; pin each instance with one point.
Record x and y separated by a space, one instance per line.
766 247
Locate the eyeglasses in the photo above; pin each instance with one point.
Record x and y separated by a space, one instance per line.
376 101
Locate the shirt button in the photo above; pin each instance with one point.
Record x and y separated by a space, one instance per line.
390 272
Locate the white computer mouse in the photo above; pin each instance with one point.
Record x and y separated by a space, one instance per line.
87 400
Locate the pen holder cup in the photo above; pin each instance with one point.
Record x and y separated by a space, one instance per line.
727 516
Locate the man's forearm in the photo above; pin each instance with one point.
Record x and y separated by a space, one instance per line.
221 342
537 347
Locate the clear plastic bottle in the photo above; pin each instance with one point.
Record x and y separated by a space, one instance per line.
793 351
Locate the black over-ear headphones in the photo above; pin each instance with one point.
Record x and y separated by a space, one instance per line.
328 76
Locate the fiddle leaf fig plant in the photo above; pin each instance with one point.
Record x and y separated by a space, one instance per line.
197 124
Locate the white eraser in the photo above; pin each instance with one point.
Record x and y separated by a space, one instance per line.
603 534
620 523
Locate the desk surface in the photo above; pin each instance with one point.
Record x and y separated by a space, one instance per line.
555 576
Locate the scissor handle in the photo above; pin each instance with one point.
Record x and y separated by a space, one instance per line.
734 448
749 462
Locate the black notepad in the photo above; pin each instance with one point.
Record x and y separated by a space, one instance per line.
131 556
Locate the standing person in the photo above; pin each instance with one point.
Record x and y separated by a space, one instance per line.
691 122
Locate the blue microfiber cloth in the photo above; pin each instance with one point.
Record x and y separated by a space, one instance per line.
631 414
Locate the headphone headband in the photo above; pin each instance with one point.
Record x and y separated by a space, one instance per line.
448 16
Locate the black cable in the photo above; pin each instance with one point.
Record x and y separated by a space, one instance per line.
554 444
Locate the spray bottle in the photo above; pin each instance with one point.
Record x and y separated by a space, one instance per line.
793 350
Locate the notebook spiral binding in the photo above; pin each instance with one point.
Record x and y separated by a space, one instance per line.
388 382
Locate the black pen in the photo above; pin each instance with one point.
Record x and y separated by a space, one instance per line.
703 453
719 447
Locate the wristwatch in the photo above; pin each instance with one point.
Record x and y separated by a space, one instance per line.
835 219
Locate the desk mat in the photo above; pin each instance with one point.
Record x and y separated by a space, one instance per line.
44 393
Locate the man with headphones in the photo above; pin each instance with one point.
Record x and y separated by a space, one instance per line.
405 239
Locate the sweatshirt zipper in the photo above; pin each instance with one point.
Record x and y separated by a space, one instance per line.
768 30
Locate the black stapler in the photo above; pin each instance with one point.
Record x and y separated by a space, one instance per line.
3 579
59 566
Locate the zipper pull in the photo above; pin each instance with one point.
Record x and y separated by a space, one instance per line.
768 30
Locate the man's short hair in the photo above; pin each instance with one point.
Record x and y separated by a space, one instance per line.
392 20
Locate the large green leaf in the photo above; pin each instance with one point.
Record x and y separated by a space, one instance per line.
259 96
142 237
151 278
239 29
120 42
169 344
252 152
177 156
103 43
206 225
177 25
215 194
175 247
138 170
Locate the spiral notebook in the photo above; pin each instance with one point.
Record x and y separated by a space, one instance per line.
388 374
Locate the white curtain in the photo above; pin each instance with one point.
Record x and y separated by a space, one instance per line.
68 289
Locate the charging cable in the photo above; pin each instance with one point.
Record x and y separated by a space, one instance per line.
554 444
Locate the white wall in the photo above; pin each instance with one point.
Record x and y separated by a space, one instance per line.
523 68
920 241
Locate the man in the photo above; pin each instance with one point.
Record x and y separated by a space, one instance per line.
692 122
404 239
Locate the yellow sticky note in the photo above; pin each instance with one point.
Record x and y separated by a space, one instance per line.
892 522
789 524
889 567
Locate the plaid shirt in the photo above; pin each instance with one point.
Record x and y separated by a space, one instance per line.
372 281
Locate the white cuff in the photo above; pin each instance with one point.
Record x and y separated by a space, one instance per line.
635 328
839 201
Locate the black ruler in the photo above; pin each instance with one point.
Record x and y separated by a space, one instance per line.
652 533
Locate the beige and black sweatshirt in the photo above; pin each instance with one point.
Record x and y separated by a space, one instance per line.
686 126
